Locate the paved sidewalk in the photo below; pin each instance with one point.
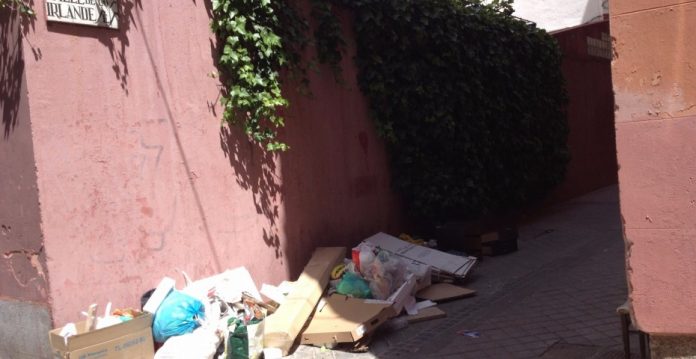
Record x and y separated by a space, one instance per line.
554 298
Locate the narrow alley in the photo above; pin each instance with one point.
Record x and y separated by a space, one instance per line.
554 298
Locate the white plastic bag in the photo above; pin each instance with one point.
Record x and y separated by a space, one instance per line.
201 344
384 271
228 286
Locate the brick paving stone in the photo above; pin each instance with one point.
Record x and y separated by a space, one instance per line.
529 353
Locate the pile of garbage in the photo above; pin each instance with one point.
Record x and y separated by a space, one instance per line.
340 297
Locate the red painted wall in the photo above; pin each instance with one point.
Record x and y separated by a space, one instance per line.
137 179
655 91
591 140
23 274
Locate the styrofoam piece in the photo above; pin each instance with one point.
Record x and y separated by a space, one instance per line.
425 304
410 305
161 292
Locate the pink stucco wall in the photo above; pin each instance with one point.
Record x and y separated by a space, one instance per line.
23 274
653 75
137 178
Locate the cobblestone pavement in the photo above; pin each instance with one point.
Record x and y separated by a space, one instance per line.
554 298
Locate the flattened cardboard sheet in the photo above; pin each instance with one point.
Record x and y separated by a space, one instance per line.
426 314
440 292
283 327
457 266
344 320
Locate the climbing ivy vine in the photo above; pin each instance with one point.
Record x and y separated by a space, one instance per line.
328 36
257 38
469 99
23 7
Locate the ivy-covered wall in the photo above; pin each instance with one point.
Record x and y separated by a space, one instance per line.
469 100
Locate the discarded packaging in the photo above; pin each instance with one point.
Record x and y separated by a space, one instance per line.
469 333
384 271
426 314
91 321
178 314
353 285
379 283
285 287
273 293
272 353
399 298
163 288
410 306
425 304
500 242
200 344
283 327
228 286
341 319
245 341
423 274
68 330
448 264
410 239
440 292
344 320
130 339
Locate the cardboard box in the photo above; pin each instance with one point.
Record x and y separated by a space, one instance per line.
500 242
456 266
399 298
128 340
342 319
283 327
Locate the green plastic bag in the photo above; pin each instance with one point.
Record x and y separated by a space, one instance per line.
354 286
245 341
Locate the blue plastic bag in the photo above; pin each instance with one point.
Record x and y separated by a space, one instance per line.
176 316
